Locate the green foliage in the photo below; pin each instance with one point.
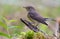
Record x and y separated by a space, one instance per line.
6 35
29 35
39 35
45 29
11 29
3 25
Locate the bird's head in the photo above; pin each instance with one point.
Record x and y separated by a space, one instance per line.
28 8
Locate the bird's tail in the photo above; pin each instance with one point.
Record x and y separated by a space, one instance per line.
49 19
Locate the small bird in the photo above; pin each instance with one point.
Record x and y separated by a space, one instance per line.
35 17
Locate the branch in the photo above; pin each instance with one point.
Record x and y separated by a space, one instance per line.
29 25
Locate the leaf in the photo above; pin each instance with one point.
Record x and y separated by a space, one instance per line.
12 21
29 35
3 25
5 19
6 35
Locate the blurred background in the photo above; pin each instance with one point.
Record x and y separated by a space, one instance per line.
12 10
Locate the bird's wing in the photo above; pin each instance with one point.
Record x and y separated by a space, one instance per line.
37 17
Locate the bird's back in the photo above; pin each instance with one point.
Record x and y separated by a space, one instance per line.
34 15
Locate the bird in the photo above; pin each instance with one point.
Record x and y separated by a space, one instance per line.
35 17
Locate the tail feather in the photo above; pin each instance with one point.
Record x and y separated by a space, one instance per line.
49 19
